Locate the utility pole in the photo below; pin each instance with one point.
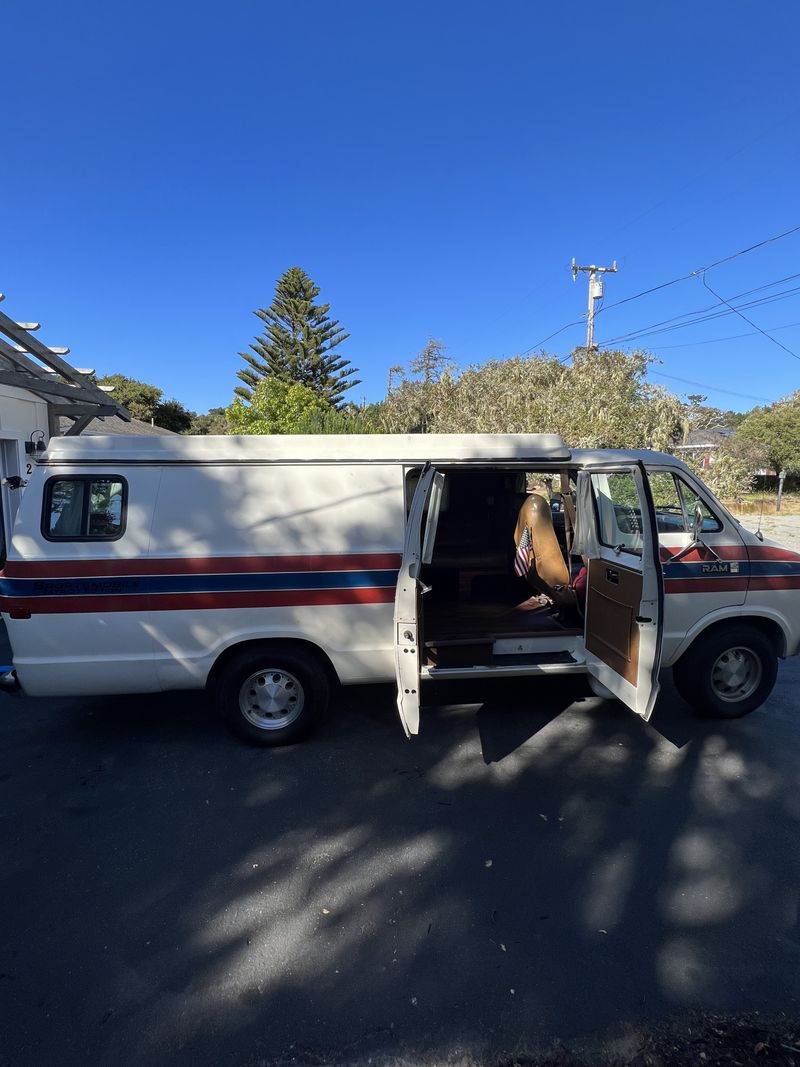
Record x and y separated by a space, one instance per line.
595 294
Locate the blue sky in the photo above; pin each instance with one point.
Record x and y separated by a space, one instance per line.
433 166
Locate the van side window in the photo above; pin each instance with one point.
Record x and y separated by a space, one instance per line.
675 502
618 512
83 508
711 523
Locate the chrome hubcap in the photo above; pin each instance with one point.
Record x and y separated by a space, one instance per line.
271 699
736 674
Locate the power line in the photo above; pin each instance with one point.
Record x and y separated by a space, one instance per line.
578 322
728 337
712 307
702 270
699 385
694 318
774 340
665 285
711 388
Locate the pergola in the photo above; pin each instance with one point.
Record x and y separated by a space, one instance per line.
25 363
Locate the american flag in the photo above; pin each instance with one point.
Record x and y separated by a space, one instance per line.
522 560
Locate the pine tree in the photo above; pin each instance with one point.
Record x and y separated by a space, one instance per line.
299 343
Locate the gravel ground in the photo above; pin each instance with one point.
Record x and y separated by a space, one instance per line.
785 529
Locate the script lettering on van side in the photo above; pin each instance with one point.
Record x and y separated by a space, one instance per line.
87 587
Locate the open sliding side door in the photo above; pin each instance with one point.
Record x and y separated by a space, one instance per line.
417 550
625 586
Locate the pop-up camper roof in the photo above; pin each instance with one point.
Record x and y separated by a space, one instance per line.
298 448
530 449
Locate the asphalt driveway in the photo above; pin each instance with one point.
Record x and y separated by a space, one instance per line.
538 864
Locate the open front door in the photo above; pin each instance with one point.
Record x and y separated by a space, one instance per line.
417 549
625 587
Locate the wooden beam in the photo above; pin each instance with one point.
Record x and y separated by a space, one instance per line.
30 344
79 425
42 387
39 381
71 411
46 355
12 353
57 350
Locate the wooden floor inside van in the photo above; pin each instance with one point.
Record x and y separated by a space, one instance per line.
488 620
463 634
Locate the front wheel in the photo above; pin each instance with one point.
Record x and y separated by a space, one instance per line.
728 673
272 694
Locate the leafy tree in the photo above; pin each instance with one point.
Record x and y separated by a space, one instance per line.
172 415
139 398
734 419
602 400
144 402
700 416
299 343
213 422
277 406
287 407
777 430
349 419
733 472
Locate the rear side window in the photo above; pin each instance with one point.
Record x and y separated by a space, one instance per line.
84 508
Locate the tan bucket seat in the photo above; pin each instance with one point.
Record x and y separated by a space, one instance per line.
548 572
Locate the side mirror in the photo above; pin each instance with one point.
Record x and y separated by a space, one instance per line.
697 522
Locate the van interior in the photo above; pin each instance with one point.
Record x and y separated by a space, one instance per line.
477 610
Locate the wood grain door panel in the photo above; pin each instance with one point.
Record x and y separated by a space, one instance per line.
614 594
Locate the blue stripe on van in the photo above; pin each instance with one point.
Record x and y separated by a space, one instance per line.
196 583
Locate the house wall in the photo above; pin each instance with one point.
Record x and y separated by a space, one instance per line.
21 415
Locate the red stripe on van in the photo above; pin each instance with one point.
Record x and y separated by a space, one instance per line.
772 553
105 568
78 605
706 585
784 581
729 552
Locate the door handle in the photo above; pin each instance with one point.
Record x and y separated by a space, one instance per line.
612 576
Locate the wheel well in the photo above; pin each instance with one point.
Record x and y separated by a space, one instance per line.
770 629
305 647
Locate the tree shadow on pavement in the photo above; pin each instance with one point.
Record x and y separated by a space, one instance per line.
536 864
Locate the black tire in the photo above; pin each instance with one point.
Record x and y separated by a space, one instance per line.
728 672
288 692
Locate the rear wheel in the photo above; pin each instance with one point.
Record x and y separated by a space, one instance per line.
728 673
272 694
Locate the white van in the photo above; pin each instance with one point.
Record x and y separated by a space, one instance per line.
269 568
